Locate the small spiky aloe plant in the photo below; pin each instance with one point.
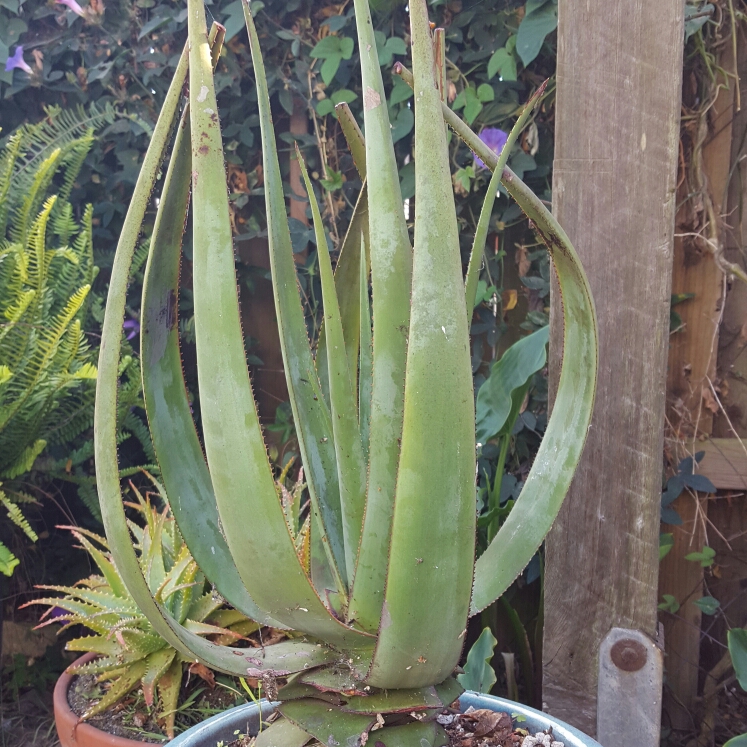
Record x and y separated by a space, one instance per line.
388 453
131 653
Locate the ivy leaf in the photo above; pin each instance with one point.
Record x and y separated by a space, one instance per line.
393 46
666 543
502 62
500 397
704 557
693 25
707 605
335 23
670 604
698 482
332 49
407 180
485 93
478 674
540 19
737 638
400 91
402 126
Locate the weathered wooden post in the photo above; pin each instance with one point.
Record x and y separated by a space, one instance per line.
618 111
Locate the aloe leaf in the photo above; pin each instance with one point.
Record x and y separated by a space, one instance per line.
391 274
365 367
547 484
168 693
326 724
483 224
432 545
105 436
395 701
183 470
413 735
353 137
282 733
346 284
311 415
106 567
543 493
119 688
157 664
350 465
254 523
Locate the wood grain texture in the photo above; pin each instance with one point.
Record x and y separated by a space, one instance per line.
732 354
724 462
618 106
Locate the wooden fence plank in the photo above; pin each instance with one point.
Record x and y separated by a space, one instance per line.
618 105
691 376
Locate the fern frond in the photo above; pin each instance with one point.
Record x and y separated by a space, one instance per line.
8 561
15 515
25 461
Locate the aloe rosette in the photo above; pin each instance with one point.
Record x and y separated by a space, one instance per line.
382 578
130 653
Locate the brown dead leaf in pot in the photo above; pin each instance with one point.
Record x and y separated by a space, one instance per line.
203 672
493 723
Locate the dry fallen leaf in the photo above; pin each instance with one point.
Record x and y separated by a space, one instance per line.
203 672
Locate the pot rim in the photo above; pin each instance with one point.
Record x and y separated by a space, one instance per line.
229 720
84 733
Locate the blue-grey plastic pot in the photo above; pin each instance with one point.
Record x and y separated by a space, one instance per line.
245 720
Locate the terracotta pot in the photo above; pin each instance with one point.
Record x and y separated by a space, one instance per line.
245 719
84 735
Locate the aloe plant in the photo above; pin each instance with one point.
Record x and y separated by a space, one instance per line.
130 653
384 415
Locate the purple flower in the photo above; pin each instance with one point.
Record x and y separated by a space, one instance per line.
132 327
72 5
17 61
495 139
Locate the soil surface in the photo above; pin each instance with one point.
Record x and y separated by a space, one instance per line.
132 719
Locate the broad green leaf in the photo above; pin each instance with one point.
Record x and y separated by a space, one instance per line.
501 395
666 543
705 557
737 639
432 539
504 63
707 605
539 20
478 673
183 470
310 412
740 741
391 273
669 604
